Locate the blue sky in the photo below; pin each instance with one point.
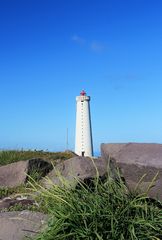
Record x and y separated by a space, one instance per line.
50 50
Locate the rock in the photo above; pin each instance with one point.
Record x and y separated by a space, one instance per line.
15 174
76 167
134 160
17 225
10 202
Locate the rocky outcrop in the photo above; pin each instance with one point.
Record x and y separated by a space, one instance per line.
18 225
137 160
15 174
78 167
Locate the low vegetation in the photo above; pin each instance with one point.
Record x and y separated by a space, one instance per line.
6 191
98 211
103 210
11 156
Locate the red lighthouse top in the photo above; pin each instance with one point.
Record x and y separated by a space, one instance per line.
83 93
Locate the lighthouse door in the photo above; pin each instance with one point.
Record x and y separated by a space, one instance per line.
83 154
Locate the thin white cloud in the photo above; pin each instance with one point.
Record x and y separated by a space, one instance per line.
78 39
94 46
97 47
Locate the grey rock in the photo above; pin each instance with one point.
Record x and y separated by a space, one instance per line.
134 161
17 225
15 174
77 167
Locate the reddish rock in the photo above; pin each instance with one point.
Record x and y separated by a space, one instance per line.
18 225
15 174
134 160
76 167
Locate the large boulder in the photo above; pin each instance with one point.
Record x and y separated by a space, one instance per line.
137 160
15 174
82 168
18 225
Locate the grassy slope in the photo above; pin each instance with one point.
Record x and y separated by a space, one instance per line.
7 157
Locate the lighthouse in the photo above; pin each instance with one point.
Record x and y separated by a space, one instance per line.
83 137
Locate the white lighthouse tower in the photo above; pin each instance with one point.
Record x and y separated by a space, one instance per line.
83 138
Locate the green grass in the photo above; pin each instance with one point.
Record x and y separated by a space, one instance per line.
11 156
104 210
6 191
